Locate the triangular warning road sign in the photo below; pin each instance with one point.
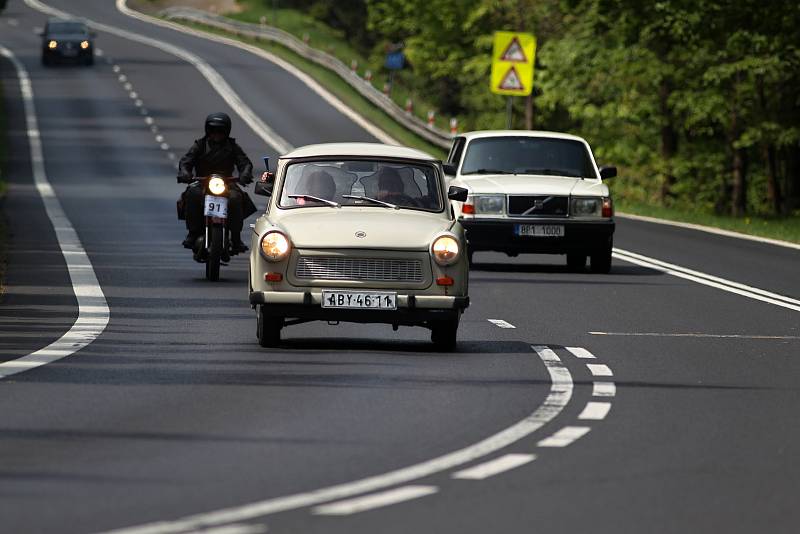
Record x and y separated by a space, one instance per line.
511 81
514 52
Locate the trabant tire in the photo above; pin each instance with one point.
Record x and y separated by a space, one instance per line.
576 262
601 260
268 329
444 335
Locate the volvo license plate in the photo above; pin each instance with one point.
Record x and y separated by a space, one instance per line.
216 207
357 300
539 230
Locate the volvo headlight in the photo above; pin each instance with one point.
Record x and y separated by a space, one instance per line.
52 44
488 204
445 250
216 185
586 207
274 246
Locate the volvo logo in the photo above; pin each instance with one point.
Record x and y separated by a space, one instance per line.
538 204
361 234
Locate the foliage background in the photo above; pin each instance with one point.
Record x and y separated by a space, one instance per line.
697 102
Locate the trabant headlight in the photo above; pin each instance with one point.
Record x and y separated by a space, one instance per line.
586 207
52 44
275 246
488 204
84 45
216 185
445 250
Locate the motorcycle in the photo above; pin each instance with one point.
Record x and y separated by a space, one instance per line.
216 245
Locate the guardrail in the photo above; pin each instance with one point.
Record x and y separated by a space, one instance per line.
431 134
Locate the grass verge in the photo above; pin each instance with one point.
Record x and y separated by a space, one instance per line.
783 228
333 83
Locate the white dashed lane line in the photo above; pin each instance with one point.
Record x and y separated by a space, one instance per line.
595 410
604 389
501 323
375 500
565 436
494 467
599 369
580 352
237 528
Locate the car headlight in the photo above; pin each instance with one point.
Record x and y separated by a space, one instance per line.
216 185
84 44
445 250
586 207
52 44
274 246
488 204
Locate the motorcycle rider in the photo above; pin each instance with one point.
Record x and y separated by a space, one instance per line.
215 153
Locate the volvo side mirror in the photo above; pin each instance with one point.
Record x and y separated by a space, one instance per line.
449 169
457 193
608 172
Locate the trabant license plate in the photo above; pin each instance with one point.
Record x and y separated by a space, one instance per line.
372 300
216 207
539 230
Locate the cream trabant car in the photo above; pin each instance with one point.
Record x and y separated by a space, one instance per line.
358 232
537 192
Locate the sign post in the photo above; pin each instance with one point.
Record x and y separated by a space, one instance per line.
512 66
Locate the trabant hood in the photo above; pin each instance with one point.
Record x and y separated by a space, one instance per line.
528 184
385 228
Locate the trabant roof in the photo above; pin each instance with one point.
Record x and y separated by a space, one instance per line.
521 133
376 150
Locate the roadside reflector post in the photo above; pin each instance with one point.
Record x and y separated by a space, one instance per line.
453 126
368 75
353 66
306 38
431 117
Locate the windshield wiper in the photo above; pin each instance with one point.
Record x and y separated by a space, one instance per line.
323 200
490 171
375 200
551 172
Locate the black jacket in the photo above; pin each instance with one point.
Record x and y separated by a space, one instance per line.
203 160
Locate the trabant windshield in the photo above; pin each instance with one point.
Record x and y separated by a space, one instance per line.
375 183
528 155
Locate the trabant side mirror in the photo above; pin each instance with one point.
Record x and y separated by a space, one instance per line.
449 169
265 184
457 193
608 172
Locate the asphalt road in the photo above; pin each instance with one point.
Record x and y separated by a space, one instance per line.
174 411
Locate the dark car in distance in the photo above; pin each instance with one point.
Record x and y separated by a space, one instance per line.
67 40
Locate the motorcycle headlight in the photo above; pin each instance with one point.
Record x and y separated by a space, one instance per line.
488 204
586 207
274 246
445 250
216 185
52 44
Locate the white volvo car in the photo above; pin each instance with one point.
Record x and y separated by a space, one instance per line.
533 192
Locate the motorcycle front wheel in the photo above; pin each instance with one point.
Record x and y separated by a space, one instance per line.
214 253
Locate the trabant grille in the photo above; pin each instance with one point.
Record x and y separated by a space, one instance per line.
538 206
358 269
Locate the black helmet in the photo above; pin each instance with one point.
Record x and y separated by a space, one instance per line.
218 121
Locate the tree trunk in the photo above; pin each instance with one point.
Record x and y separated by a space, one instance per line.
739 200
669 138
773 186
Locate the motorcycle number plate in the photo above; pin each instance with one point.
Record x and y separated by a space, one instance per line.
216 207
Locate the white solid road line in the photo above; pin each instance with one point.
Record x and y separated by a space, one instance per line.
604 389
93 312
308 80
236 528
599 369
710 230
694 334
217 81
595 411
580 352
561 388
708 280
375 500
565 436
501 323
494 467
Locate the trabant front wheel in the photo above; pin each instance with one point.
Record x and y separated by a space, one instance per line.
444 334
268 329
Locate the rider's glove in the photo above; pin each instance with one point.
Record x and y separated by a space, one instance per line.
245 180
